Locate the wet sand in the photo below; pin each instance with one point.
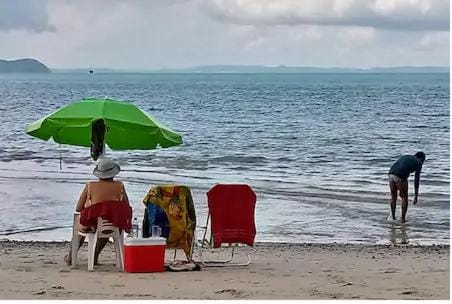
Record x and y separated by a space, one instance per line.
35 270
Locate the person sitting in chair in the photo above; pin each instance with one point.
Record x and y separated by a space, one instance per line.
105 190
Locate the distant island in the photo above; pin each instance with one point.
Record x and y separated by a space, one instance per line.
23 66
260 69
301 69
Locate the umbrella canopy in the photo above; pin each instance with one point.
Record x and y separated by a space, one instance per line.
127 126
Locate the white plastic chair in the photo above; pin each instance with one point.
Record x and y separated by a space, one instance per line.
104 230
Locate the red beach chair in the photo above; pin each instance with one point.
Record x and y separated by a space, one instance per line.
231 212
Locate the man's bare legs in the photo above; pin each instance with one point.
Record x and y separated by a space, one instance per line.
393 187
403 192
100 244
68 257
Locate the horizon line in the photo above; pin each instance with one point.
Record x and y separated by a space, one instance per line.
255 66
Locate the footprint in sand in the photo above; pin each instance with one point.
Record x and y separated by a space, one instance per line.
23 268
57 287
231 291
391 271
315 292
148 295
409 292
64 270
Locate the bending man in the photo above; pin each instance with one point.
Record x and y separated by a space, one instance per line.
398 181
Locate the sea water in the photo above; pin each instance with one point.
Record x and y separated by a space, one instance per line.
316 148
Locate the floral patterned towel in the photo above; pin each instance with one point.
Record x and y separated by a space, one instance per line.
177 202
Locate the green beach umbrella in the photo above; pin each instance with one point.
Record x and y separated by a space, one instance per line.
126 126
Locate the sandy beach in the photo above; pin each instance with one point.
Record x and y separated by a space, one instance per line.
35 270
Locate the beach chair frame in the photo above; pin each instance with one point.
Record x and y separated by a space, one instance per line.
191 251
104 230
206 244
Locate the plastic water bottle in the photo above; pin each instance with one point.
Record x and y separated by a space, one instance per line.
135 228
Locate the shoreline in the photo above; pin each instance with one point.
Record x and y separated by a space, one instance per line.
343 207
267 243
35 270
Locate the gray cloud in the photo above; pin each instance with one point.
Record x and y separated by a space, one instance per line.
424 15
431 43
140 34
26 15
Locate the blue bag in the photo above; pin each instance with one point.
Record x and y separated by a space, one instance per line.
157 217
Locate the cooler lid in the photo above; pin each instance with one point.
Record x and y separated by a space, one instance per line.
128 241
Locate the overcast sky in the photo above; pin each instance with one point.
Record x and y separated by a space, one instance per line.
141 34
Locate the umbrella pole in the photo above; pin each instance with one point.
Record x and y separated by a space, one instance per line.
61 159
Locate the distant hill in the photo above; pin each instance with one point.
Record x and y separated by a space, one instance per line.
23 66
294 69
259 69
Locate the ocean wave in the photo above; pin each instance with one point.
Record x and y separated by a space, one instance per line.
239 159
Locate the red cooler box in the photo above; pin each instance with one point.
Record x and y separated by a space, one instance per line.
144 254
